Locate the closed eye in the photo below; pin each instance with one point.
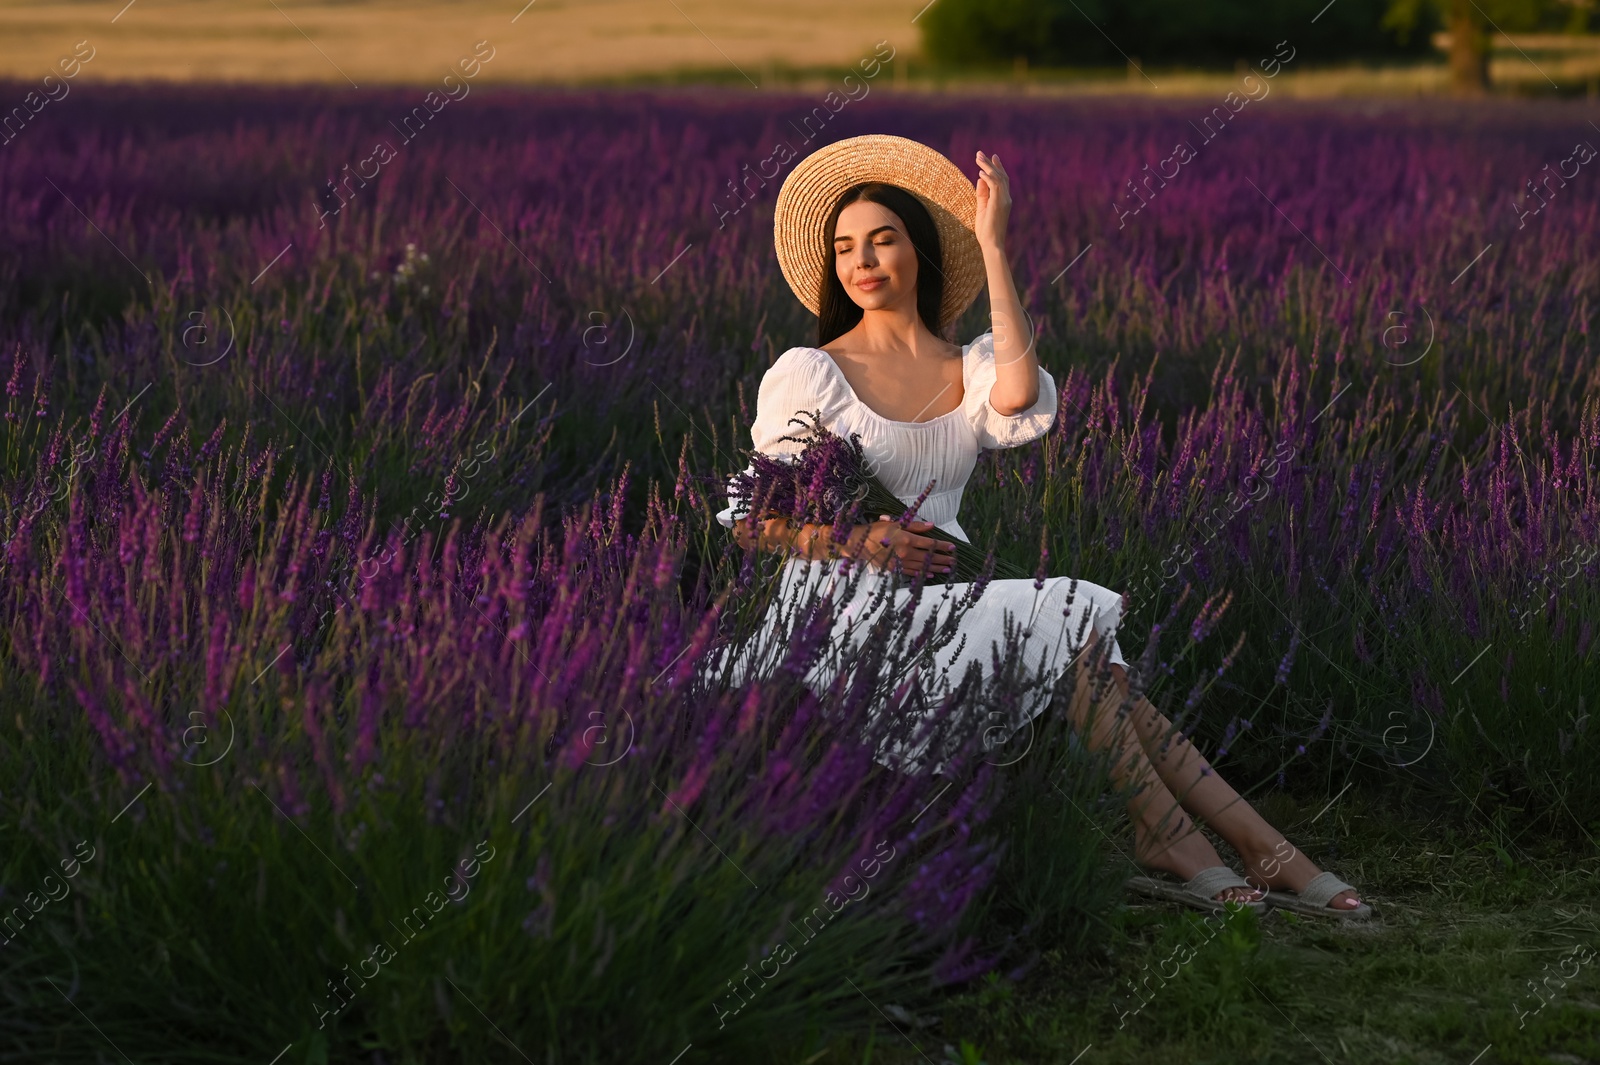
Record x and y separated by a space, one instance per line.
843 248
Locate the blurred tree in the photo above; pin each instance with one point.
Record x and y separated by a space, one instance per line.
1582 16
1469 22
1225 32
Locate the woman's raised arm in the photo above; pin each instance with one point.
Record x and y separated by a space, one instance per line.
1016 386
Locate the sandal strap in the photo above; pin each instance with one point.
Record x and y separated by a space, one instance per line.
1323 887
1208 882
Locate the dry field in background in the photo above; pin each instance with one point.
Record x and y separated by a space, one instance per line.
746 44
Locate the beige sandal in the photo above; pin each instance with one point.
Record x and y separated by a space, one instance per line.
1313 901
1200 891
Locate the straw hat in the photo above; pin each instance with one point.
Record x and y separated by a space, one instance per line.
812 188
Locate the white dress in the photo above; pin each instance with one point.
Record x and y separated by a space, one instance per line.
906 456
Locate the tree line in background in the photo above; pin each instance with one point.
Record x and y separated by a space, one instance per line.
1056 33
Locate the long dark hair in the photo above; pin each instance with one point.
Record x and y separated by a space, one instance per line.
837 313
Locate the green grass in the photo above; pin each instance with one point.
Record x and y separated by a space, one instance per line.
1466 915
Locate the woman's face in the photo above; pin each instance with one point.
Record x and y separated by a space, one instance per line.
874 258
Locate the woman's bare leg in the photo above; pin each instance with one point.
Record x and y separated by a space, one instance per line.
1269 858
1163 838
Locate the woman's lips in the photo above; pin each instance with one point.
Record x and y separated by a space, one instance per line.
870 283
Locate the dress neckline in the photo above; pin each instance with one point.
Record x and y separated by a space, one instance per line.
959 407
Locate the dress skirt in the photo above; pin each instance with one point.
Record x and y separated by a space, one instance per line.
1049 622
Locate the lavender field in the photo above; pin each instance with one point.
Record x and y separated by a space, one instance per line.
360 576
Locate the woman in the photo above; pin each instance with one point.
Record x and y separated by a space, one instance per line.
887 243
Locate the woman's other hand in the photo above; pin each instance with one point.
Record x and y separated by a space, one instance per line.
885 541
993 205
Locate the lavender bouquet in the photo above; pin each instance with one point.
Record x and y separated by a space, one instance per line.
829 483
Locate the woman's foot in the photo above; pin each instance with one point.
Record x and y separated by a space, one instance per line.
1270 861
1278 866
1179 849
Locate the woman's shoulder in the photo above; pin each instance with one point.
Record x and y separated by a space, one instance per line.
977 362
979 348
800 359
996 430
800 366
803 375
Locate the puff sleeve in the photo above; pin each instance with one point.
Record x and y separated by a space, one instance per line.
802 379
993 429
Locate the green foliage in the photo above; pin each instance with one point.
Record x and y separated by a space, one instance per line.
1067 32
1059 878
1405 17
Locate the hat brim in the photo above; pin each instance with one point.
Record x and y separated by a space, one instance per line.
815 184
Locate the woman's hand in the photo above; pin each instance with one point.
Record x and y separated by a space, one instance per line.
885 541
994 203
